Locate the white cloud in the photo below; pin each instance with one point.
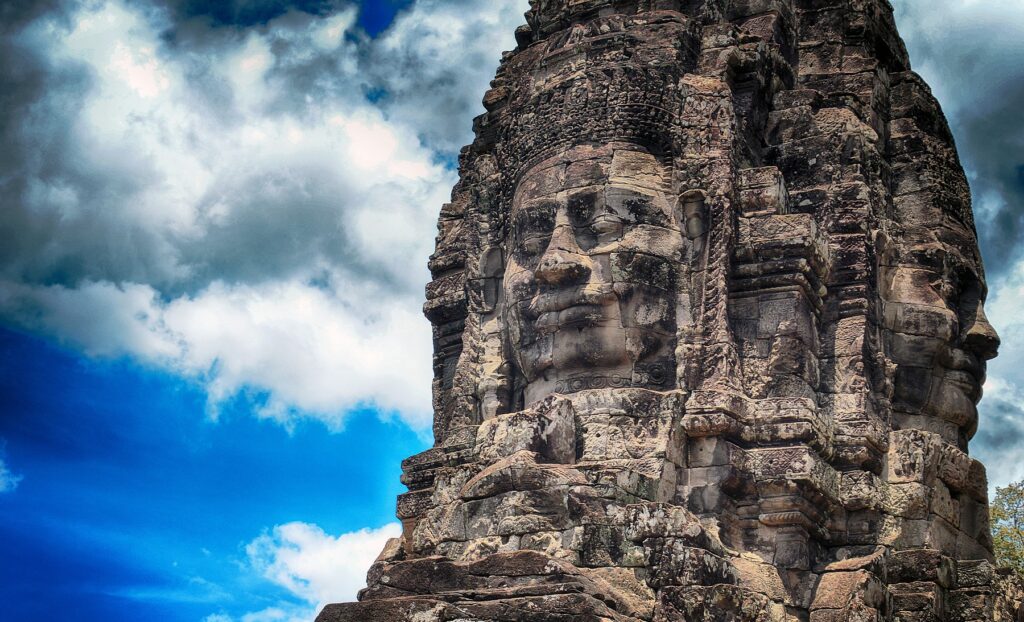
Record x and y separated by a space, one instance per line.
286 613
1001 434
8 481
232 208
316 350
437 60
314 566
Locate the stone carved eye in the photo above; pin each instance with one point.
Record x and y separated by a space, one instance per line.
642 210
592 221
531 232
604 230
641 269
947 288
961 288
582 208
635 207
534 246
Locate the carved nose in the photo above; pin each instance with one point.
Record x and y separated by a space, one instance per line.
563 263
981 337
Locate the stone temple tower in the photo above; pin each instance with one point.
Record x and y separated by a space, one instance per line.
709 336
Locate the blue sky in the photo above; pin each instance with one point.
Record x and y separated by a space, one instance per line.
134 503
215 223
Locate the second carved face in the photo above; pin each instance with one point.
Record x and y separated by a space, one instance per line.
940 338
593 259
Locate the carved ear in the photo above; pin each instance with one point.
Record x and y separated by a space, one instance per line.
885 248
492 264
888 257
485 286
693 213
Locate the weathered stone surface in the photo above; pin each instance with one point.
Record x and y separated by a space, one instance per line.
709 334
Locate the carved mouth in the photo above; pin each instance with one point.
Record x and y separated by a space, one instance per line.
961 377
965 382
966 367
967 373
579 301
577 315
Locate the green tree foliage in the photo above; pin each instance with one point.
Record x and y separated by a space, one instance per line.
1008 526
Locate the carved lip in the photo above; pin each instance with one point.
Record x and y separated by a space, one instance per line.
965 383
558 301
966 373
965 380
578 315
966 367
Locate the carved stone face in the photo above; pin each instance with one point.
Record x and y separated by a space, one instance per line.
940 337
592 262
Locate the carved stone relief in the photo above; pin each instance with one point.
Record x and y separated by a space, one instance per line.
709 334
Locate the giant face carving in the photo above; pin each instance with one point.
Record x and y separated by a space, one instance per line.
592 267
940 337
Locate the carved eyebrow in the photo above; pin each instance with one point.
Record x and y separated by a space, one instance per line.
584 204
640 206
943 264
963 271
962 264
533 216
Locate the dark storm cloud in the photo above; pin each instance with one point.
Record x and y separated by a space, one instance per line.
15 14
242 193
1003 429
79 201
970 53
71 208
36 133
1000 438
991 138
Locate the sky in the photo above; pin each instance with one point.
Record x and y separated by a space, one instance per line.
214 225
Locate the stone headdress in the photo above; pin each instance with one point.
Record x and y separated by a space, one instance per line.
599 81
